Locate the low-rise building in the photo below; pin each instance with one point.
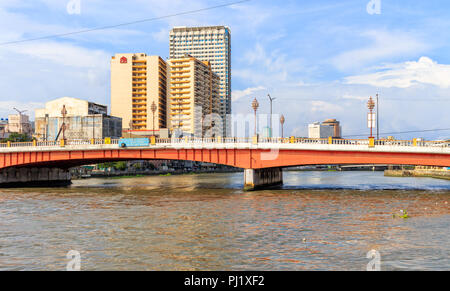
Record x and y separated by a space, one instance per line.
4 128
326 129
83 119
19 123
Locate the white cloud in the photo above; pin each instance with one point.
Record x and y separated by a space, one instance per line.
327 107
383 44
405 75
239 94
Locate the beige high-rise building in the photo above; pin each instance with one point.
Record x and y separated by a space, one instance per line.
212 44
193 97
137 82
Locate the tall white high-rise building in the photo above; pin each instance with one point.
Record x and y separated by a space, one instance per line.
212 44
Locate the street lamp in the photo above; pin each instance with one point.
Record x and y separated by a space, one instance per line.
271 100
282 120
64 113
131 128
255 105
371 117
153 108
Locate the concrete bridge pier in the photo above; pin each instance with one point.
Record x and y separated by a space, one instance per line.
34 177
255 179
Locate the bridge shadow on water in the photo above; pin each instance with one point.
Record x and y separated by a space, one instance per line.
320 180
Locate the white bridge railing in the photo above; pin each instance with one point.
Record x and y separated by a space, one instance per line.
234 140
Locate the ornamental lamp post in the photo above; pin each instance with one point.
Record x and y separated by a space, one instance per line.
255 106
153 108
282 121
64 113
371 117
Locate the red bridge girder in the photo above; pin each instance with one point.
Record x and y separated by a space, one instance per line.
240 158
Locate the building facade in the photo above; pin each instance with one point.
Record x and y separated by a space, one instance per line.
193 97
326 129
4 128
19 123
137 82
213 44
84 120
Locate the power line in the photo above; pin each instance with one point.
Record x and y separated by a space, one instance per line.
124 24
404 132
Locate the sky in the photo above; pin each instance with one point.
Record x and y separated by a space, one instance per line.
320 59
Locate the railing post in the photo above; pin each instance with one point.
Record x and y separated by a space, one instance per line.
292 140
107 140
34 142
371 142
63 143
330 140
153 140
255 139
92 141
219 139
414 142
8 144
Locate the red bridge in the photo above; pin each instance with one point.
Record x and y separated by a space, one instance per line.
263 159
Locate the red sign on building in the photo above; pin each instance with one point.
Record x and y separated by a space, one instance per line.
123 60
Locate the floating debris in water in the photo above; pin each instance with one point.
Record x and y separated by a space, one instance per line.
404 214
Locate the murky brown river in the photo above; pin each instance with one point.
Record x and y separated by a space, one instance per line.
318 221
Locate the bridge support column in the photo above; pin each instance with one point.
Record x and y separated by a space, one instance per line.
34 177
262 178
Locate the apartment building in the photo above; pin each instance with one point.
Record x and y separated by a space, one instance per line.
139 86
193 97
212 44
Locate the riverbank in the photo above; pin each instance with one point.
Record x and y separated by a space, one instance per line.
418 173
136 174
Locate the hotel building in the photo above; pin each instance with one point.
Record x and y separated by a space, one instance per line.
137 82
212 44
193 95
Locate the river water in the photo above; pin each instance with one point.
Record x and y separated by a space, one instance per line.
317 221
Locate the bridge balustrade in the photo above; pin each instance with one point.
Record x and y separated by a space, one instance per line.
237 140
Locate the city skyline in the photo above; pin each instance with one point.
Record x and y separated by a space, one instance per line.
325 66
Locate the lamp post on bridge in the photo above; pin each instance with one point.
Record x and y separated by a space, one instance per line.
153 108
64 113
255 106
371 117
282 121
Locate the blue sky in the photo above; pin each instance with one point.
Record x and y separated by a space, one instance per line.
320 59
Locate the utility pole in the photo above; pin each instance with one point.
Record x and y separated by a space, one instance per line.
271 100
378 118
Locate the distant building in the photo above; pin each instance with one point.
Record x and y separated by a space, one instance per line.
84 120
329 128
193 95
337 130
19 123
137 82
212 44
4 128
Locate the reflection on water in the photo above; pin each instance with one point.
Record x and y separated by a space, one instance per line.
319 221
